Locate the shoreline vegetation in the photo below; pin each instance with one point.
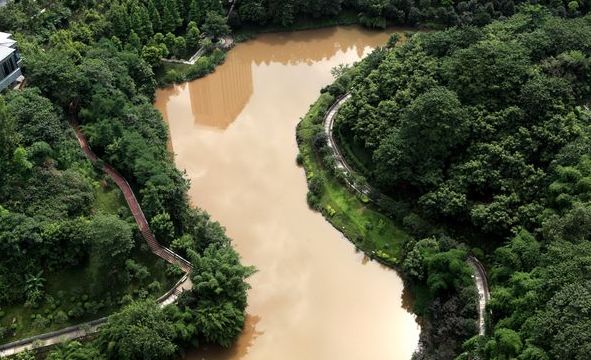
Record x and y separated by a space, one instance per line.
99 59
378 236
81 60
501 161
170 73
350 213
363 223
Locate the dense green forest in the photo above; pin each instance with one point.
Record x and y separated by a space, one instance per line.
379 13
73 252
480 136
175 29
62 227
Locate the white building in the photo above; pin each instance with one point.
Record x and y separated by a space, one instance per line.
10 71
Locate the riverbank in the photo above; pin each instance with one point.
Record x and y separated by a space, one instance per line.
170 73
360 186
349 212
320 142
353 215
233 132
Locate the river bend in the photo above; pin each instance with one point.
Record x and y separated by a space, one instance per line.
314 297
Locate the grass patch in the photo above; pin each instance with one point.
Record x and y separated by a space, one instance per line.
107 200
375 234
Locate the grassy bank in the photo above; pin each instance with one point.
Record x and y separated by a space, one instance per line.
375 234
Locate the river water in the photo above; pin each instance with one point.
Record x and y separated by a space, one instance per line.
314 297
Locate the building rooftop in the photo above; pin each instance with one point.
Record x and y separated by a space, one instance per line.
7 45
5 52
7 42
6 39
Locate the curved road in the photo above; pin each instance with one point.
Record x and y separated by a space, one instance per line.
83 330
479 272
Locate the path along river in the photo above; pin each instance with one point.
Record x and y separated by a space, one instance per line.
314 297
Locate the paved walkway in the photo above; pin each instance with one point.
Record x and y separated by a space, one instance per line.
225 43
362 188
483 292
83 330
341 164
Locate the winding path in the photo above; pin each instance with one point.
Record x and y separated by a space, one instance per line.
86 329
483 292
365 189
133 204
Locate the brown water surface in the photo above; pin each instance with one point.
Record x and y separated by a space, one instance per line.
314 297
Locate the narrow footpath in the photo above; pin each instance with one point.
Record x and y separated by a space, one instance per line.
89 328
225 43
133 204
364 189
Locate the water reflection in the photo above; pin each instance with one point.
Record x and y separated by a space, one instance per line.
288 49
239 350
218 99
314 297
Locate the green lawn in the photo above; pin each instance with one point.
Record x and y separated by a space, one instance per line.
108 200
367 228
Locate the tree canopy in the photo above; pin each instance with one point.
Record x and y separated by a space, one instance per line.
481 135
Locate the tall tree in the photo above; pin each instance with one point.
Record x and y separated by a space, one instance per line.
215 25
192 36
142 24
120 21
154 16
112 241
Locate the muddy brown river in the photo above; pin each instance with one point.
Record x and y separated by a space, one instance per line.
314 297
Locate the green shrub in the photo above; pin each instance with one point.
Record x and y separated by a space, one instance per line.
299 159
315 185
172 76
155 287
60 317
313 201
329 210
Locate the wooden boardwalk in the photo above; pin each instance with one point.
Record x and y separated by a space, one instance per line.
133 204
89 328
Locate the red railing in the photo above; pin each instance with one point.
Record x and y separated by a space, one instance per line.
133 204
